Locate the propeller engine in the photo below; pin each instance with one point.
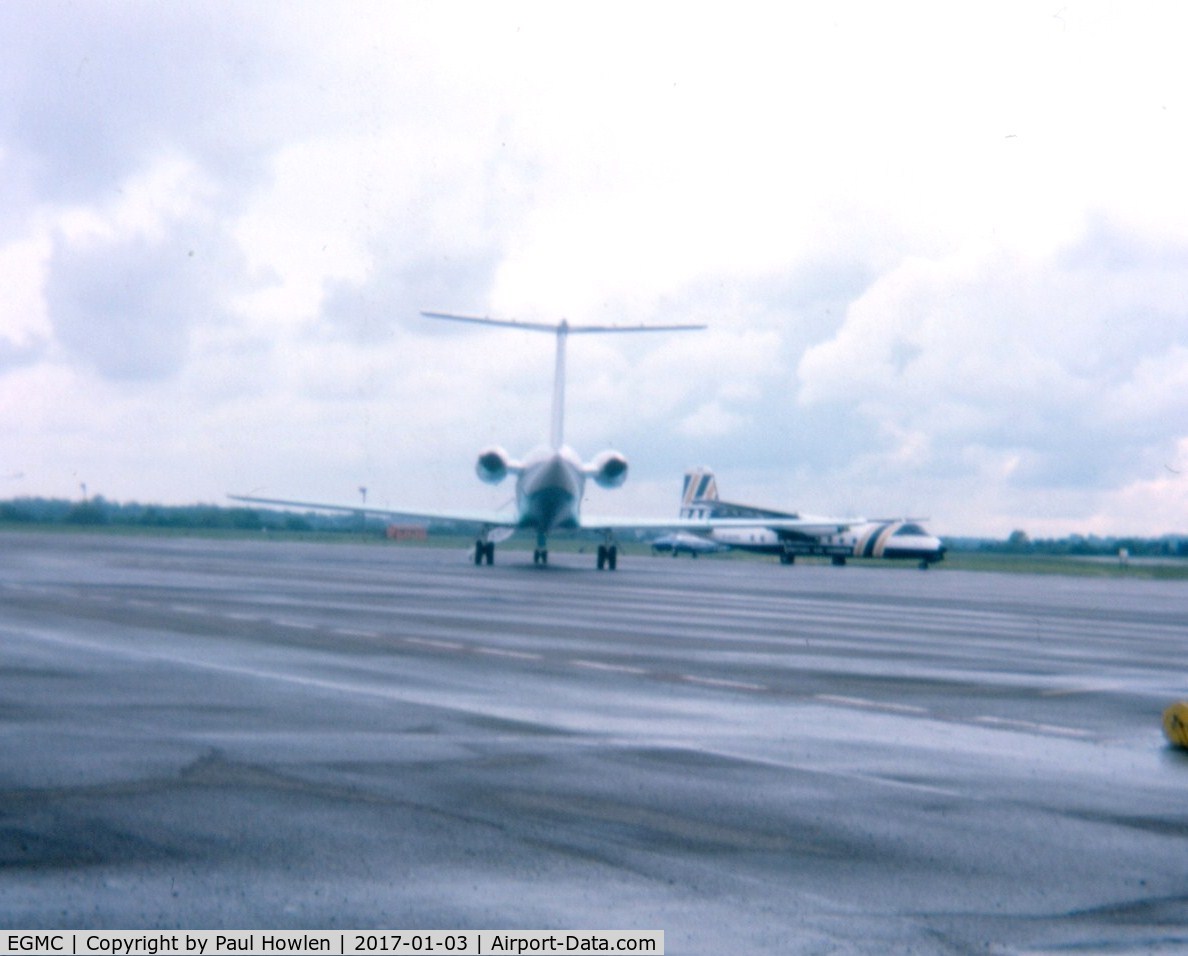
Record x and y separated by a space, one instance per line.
609 470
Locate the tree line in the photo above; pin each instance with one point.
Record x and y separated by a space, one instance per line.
97 511
1077 545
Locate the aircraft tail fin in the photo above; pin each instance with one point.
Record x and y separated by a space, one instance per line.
700 487
562 330
700 499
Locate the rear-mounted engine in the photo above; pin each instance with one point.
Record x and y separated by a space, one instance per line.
609 470
492 465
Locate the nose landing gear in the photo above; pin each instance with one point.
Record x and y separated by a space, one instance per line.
541 555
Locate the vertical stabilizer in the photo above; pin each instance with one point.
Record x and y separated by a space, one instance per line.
699 489
557 422
562 330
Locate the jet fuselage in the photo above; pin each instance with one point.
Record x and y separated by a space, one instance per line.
549 489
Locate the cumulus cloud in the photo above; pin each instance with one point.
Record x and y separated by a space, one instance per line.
25 329
940 251
92 90
1056 373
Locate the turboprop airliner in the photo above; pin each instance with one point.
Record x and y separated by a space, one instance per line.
550 480
901 538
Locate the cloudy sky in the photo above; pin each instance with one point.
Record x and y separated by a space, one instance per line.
942 250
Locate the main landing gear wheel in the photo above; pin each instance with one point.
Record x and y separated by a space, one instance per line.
786 558
540 556
608 557
484 551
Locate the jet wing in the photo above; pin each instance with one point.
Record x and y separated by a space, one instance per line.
810 526
483 519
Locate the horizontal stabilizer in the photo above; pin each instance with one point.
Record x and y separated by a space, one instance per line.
555 327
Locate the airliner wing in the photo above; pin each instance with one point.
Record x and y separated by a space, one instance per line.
484 519
812 527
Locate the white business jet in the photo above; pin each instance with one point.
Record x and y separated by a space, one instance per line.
550 480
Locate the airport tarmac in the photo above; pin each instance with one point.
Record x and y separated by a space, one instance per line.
210 734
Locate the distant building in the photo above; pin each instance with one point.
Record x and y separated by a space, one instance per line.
407 532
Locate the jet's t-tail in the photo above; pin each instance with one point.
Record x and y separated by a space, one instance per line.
561 330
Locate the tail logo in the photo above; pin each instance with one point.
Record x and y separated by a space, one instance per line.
699 488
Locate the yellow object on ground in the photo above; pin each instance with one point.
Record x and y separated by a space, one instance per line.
1175 724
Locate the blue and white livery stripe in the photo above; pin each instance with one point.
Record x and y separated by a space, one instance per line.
700 485
872 541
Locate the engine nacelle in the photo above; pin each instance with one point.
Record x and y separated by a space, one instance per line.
493 465
609 470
